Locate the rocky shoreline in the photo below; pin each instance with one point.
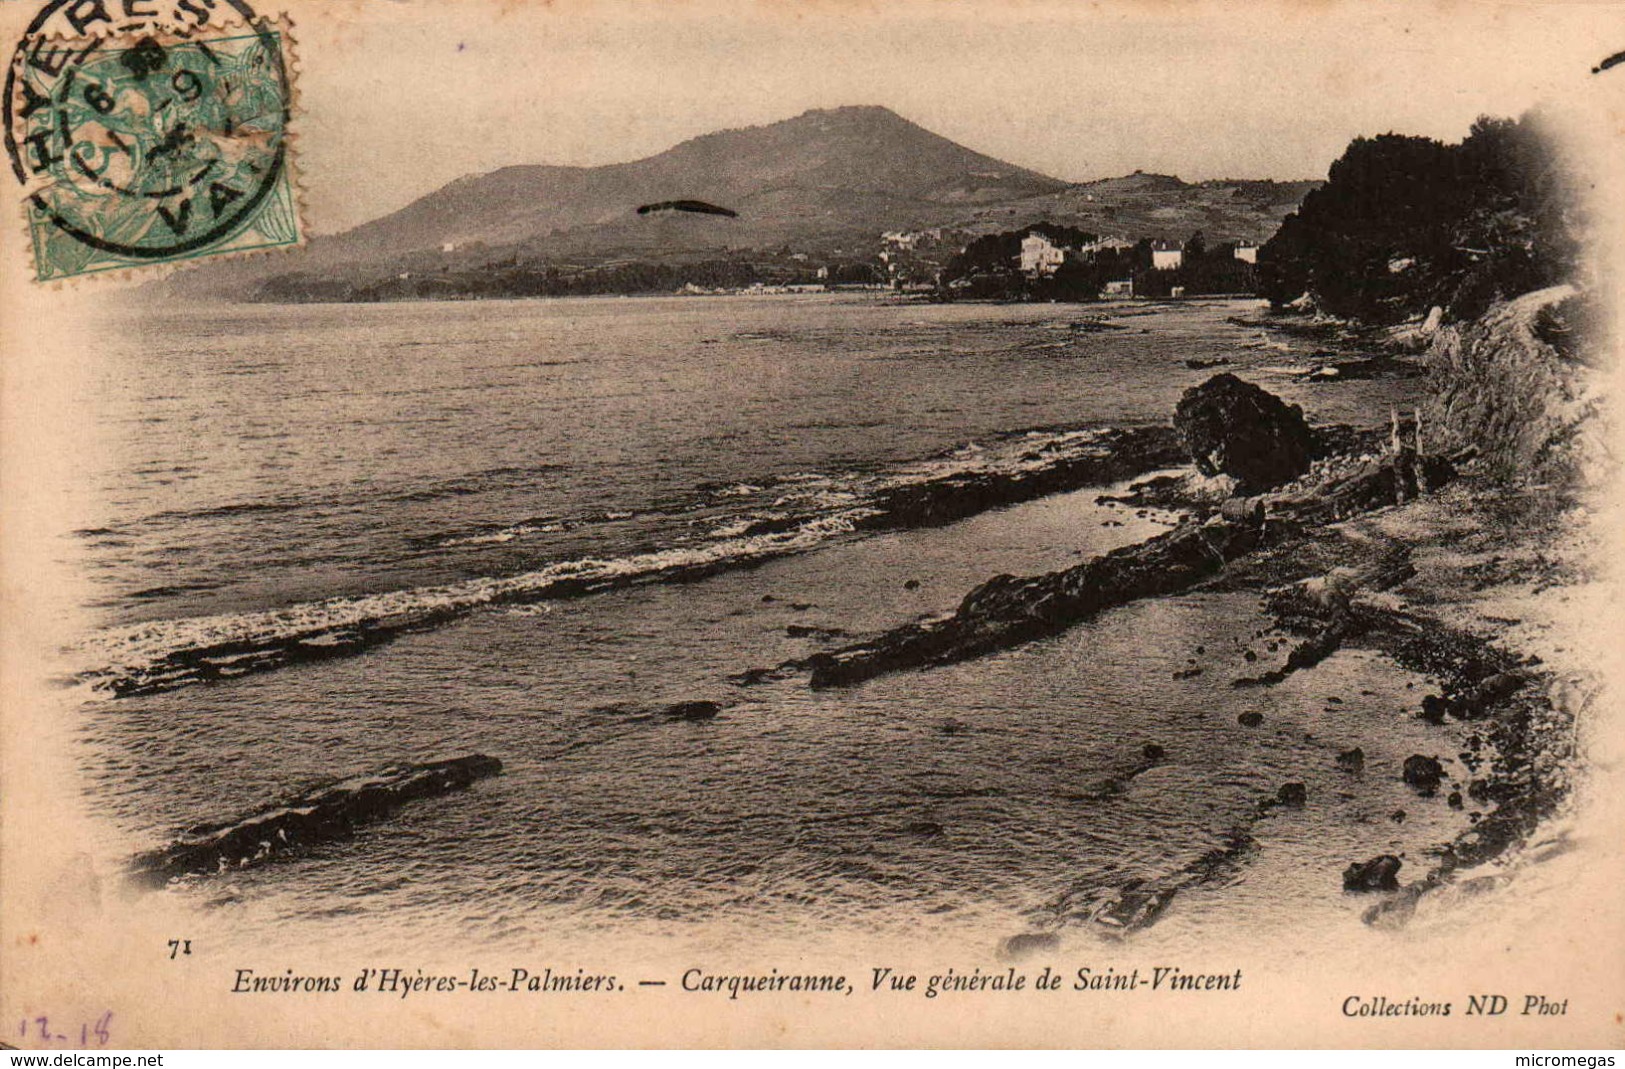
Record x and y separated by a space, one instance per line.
1343 557
1319 554
1396 541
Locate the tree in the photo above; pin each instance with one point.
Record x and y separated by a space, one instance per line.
1405 223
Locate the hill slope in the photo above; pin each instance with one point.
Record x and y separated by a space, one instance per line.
827 183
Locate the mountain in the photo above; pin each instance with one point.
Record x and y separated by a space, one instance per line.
825 184
848 161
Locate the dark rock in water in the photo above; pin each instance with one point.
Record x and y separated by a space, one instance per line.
318 814
1292 794
1423 773
1492 834
1007 610
768 598
912 584
700 710
1397 816
1376 367
1250 719
1433 709
1019 946
1454 801
1197 363
1151 755
925 829
1112 456
1138 903
1351 760
1156 492
1379 874
1188 673
952 726
812 631
1249 656
1235 428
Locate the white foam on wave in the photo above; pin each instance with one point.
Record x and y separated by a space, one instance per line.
133 651
124 651
507 534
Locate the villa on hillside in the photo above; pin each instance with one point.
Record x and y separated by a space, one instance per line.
1107 244
1166 255
1247 253
1041 257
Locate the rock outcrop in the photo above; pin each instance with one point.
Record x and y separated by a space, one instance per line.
1295 795
1009 610
1378 874
317 814
693 710
1117 454
1511 384
1424 773
1235 428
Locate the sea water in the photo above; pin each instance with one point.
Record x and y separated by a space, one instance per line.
274 464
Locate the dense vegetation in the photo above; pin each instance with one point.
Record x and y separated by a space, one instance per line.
1404 224
989 267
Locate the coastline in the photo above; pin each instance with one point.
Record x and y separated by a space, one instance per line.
1361 696
1326 815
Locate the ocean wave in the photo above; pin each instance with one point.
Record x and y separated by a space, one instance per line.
506 534
160 655
809 510
462 485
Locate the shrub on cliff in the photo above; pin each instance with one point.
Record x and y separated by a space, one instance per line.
1512 383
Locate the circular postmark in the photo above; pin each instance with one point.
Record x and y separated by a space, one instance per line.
146 132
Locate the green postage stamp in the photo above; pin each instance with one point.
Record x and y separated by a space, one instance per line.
142 142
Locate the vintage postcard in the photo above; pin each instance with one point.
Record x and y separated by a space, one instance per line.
708 524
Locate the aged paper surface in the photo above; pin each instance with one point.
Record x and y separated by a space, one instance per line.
533 611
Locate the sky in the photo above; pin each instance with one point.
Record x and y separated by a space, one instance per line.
397 97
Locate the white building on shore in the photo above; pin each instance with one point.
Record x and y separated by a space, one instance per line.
1040 256
1166 255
